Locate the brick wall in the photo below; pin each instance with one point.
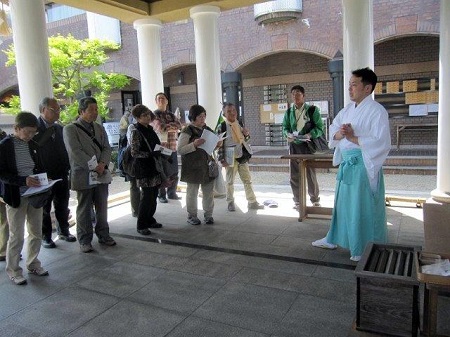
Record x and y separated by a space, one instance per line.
406 33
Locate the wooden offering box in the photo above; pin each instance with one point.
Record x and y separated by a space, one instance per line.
388 290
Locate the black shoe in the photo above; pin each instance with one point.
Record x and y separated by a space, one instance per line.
67 237
155 225
163 200
174 197
144 231
109 241
48 243
231 207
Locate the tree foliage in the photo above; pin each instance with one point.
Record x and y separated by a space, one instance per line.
77 66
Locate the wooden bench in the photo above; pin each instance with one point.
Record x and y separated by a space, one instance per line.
403 127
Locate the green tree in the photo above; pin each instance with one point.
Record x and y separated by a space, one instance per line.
76 66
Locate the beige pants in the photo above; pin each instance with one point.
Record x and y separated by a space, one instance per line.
207 199
244 174
4 229
16 220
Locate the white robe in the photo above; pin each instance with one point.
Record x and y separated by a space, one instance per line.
370 123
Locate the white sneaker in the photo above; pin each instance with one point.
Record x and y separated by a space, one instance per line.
322 243
355 258
19 280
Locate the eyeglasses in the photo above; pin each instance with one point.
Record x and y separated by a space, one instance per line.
54 110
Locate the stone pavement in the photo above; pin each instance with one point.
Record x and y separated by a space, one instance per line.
253 273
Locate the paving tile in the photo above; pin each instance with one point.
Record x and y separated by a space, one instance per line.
311 317
315 286
61 312
121 279
206 268
198 327
249 307
179 292
130 319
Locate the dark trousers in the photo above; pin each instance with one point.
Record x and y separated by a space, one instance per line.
313 186
98 197
173 173
135 196
60 199
147 207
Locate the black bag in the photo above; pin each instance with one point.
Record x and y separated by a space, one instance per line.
213 168
128 162
319 144
39 200
245 156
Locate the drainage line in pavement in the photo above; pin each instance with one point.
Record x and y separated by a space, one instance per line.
240 252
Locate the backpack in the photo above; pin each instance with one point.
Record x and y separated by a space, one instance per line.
127 164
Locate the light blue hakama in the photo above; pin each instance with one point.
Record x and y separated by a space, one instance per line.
359 214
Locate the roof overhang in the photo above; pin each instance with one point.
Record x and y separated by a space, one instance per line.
165 10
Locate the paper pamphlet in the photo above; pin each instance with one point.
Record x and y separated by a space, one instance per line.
93 176
229 156
298 137
45 185
211 140
164 150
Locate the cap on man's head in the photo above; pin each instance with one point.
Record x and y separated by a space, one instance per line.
26 119
298 87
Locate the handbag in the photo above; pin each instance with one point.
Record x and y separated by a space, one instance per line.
317 145
128 162
40 199
161 165
213 168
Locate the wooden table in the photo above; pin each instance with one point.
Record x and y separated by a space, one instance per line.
314 161
430 307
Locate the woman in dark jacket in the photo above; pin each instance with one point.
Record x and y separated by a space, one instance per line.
194 166
143 141
18 164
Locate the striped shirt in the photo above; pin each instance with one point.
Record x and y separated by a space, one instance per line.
24 162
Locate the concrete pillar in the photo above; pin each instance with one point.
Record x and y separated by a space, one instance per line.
358 38
437 210
31 48
336 70
230 84
150 62
207 58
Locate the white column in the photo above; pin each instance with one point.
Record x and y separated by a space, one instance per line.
357 39
31 48
442 191
207 58
150 63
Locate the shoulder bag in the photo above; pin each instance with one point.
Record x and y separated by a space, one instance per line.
317 145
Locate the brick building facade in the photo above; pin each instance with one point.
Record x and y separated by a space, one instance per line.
406 47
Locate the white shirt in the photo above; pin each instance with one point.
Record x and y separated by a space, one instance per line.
370 123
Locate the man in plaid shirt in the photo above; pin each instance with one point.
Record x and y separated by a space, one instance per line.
167 126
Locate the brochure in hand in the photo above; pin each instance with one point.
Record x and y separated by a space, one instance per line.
211 140
45 185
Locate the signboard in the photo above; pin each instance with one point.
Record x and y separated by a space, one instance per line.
112 130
